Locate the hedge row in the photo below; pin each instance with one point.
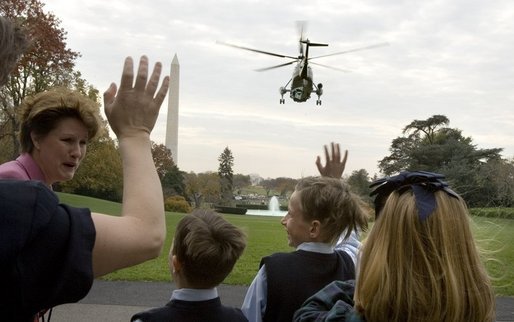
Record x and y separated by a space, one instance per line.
505 213
259 207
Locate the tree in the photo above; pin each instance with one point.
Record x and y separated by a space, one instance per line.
432 146
173 183
226 175
202 187
162 158
428 127
193 189
284 185
359 182
399 159
172 179
496 188
280 185
502 179
268 185
47 63
241 181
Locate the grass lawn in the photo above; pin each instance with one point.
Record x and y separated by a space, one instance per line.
266 236
495 238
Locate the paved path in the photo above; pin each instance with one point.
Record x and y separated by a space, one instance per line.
118 301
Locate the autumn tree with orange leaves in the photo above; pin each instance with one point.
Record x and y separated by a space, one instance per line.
47 63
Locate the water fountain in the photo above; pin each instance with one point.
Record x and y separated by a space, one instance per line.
273 205
273 209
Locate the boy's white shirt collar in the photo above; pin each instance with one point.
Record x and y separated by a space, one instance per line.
316 247
192 294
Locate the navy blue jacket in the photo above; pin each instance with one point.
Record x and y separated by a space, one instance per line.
294 277
45 250
192 311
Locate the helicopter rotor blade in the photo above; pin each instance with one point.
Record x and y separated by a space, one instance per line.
353 50
273 67
255 50
300 25
330 67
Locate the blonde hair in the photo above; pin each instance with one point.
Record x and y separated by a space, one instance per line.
331 202
430 270
42 112
208 247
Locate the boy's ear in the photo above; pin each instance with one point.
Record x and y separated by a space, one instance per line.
315 229
176 264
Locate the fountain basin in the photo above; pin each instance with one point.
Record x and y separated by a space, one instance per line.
263 212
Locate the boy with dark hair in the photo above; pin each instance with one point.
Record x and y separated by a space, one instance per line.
204 251
320 211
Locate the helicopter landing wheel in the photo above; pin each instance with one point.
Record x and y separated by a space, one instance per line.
318 102
282 101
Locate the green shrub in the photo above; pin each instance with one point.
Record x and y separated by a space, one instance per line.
504 213
177 204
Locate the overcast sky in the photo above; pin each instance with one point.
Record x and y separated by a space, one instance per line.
447 57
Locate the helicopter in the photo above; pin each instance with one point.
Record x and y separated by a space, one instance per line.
301 85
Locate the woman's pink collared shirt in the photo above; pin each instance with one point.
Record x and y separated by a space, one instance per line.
23 168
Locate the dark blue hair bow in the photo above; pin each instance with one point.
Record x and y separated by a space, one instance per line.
423 185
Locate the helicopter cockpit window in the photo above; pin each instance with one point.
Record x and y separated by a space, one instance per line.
297 93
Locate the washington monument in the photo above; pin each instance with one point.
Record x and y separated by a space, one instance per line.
172 120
